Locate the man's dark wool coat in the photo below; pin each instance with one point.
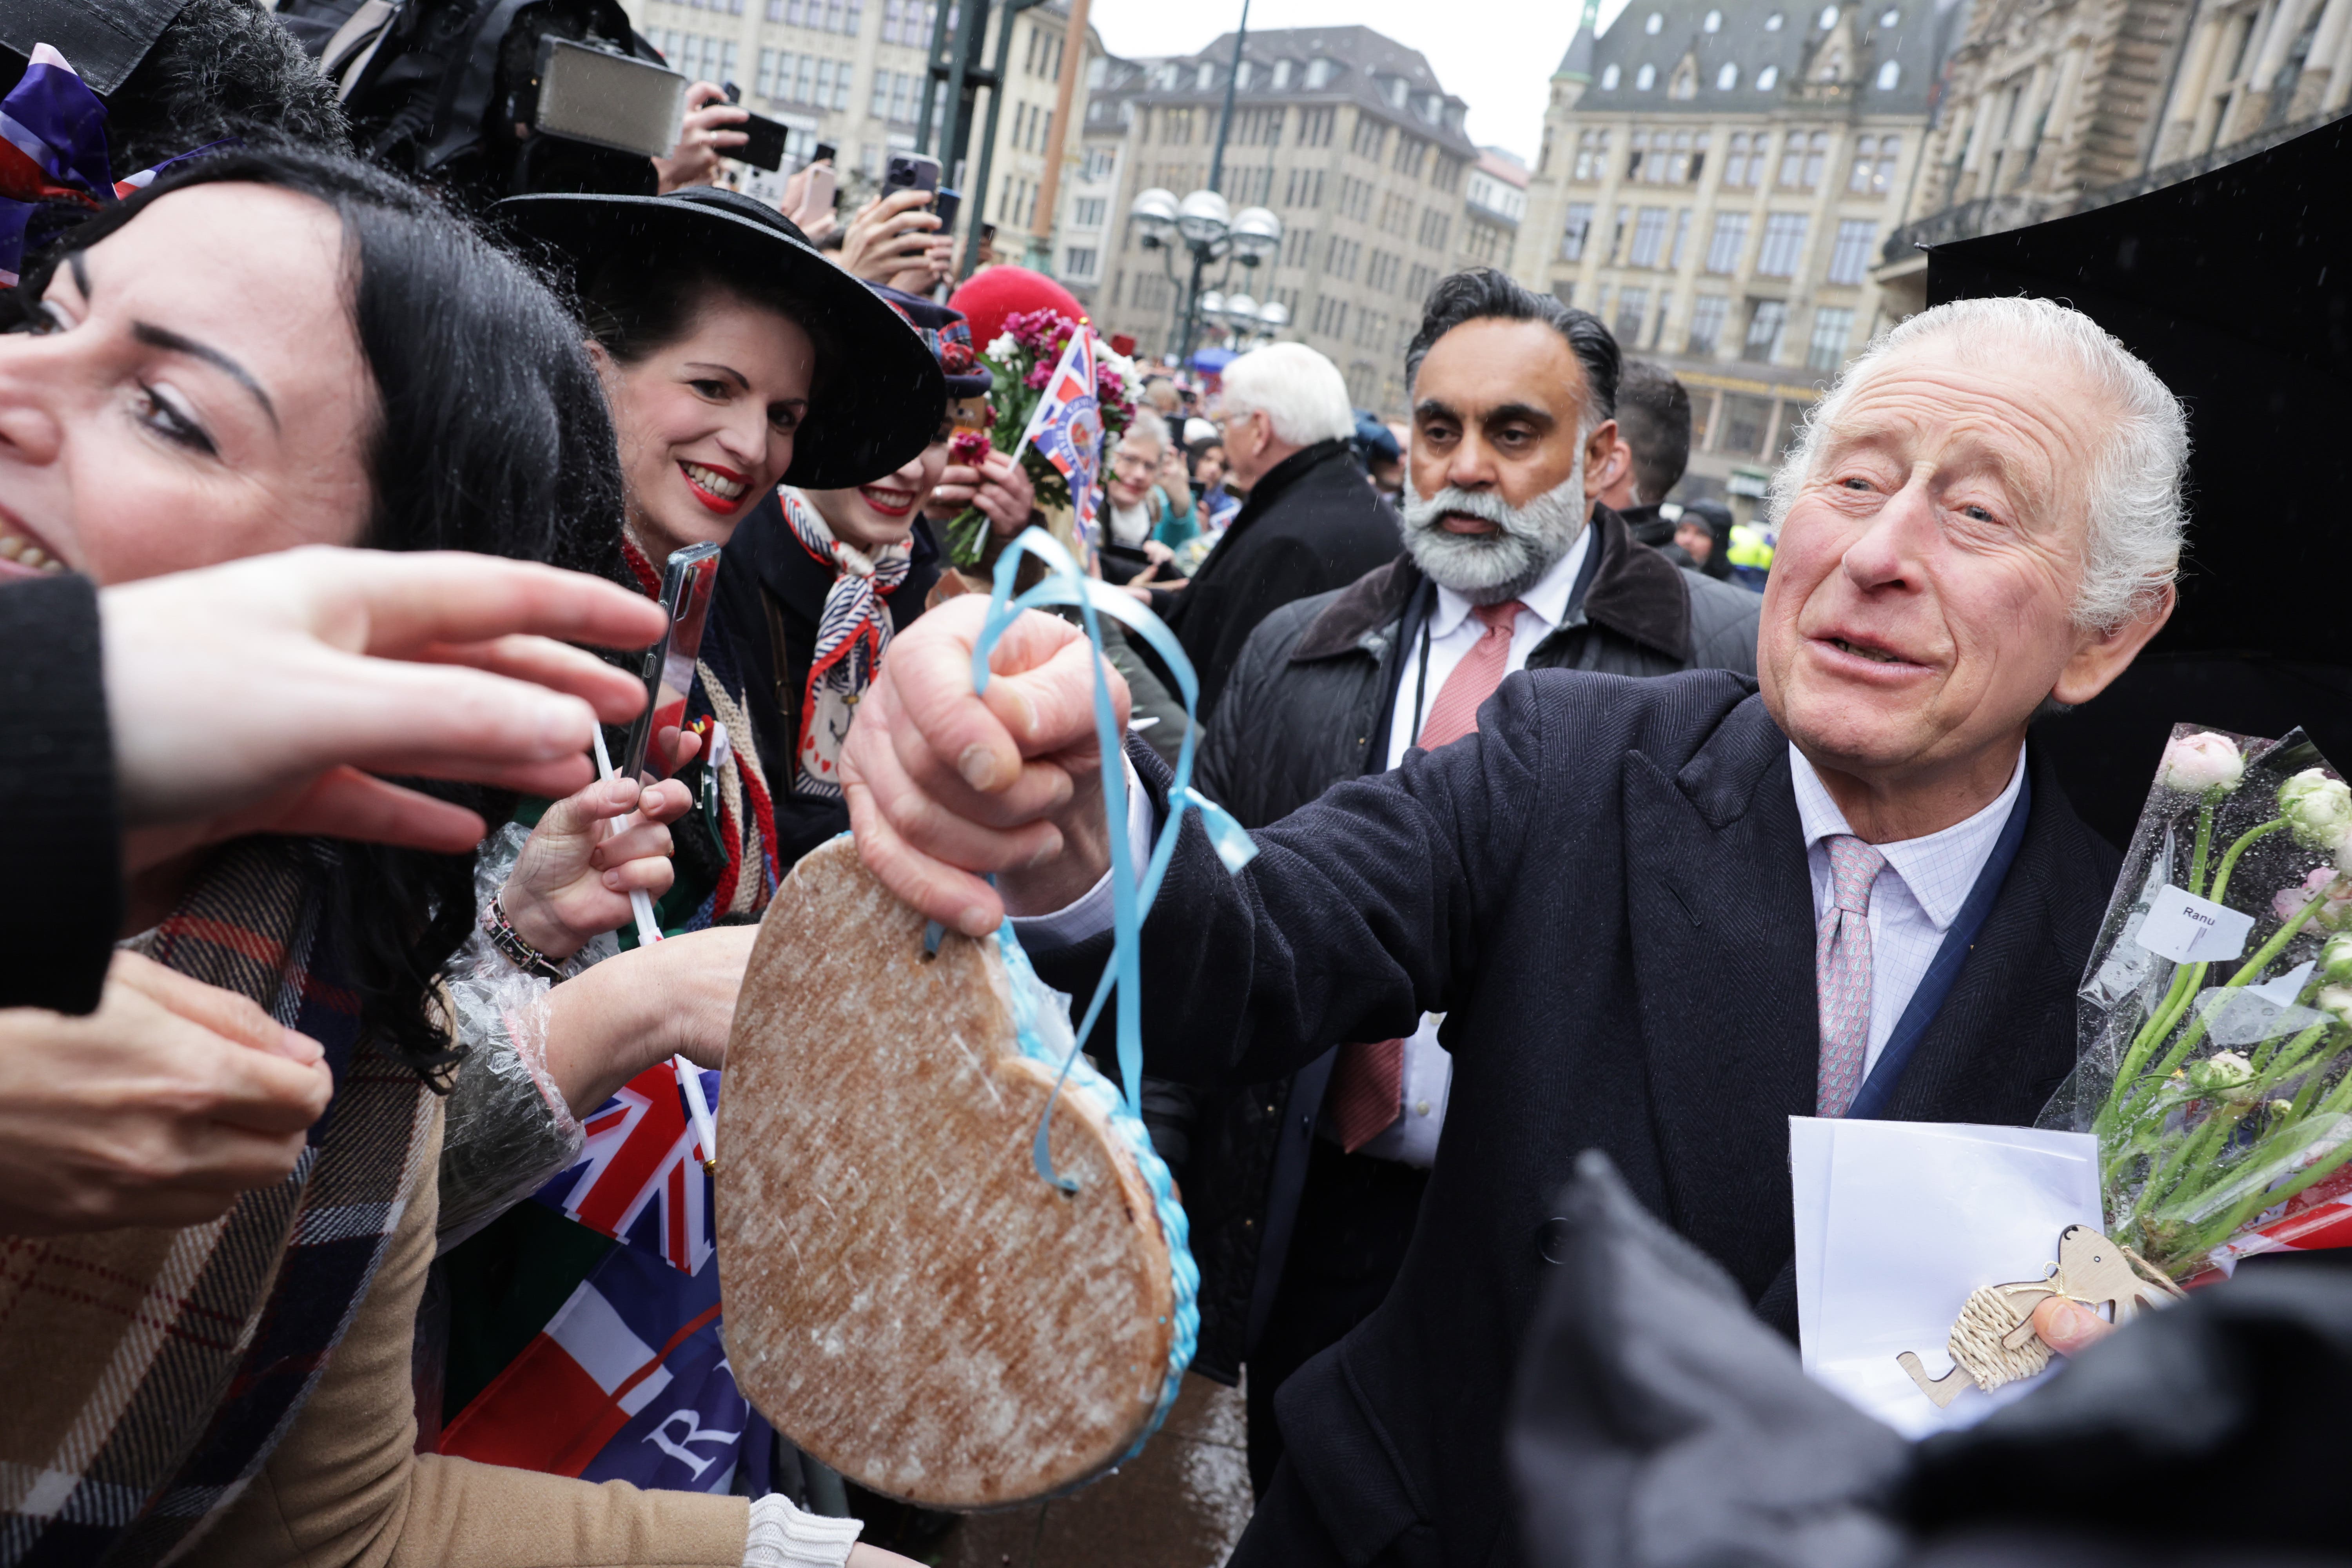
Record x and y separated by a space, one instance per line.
1605 891
1311 525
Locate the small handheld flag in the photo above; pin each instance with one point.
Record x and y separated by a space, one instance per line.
1066 427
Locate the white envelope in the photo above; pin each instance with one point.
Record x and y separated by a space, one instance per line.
1898 1222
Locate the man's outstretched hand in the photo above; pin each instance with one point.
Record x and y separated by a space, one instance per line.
945 785
261 696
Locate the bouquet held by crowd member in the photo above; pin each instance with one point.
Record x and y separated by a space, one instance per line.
2217 1013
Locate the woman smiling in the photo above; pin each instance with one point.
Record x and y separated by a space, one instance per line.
270 350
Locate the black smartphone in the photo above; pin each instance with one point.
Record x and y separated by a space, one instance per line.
825 151
910 172
667 666
947 204
988 234
765 148
734 94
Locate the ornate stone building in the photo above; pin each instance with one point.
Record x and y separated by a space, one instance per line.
2056 108
1716 179
1345 134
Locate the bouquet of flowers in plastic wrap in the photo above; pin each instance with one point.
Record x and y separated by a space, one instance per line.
2215 1063
1022 360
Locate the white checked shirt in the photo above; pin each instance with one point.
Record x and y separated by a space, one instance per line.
1918 893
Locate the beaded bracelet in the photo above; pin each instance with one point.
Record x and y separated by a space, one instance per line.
513 948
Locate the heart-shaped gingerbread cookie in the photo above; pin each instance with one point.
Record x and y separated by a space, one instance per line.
906 1297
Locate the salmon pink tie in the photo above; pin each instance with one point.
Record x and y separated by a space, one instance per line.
1842 974
1366 1091
1455 713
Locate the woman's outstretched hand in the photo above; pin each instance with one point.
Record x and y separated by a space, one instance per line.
573 881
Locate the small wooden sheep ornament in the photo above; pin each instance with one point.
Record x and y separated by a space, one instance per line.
1994 1343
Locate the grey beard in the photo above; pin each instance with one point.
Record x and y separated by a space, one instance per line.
1497 567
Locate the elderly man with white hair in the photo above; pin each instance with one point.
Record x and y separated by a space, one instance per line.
1662 915
1311 524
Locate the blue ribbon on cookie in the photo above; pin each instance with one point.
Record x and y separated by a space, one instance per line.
1131 897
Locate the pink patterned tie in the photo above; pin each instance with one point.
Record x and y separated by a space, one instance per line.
1842 974
1455 713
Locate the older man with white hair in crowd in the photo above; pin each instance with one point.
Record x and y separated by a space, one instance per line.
1662 915
1310 524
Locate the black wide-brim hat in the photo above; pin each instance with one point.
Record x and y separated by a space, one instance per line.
880 388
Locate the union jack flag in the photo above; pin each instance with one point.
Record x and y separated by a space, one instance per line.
1066 427
53 151
641 1182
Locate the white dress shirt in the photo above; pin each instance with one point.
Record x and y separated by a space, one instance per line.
1454 632
1915 896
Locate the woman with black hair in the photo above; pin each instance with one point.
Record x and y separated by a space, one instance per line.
268 351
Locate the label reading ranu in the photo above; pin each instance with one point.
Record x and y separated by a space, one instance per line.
2186 929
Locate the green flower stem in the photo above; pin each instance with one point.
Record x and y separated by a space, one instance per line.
2190 1037
2204 1240
2204 839
2159 1188
2186 980
2311 1088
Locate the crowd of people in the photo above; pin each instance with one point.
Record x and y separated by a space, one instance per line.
318 478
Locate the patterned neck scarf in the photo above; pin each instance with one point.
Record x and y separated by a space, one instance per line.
850 636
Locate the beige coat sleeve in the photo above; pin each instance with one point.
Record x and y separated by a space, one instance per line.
345 1489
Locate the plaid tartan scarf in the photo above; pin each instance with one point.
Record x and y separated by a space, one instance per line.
150 1372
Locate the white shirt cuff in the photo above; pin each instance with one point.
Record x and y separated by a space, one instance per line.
781 1536
1091 914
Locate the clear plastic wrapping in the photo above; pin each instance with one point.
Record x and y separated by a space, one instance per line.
508 1129
2213 1055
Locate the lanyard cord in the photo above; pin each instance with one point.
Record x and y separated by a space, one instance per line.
1421 684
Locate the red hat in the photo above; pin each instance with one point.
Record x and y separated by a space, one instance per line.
987 298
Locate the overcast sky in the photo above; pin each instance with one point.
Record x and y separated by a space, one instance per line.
1495 55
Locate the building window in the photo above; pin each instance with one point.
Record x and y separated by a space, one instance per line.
1784 240
1828 18
1874 165
1770 77
1851 254
1281 75
1579 228
1706 323
1728 78
1080 262
1833 324
1610 76
1649 237
1645 79
1767 322
1737 169
1682 238
1319 74
1633 304
1723 248
1591 154
1772 22
1889 76
1713 23
1652 23
1802 159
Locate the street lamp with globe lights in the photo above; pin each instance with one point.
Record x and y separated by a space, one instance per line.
1205 227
